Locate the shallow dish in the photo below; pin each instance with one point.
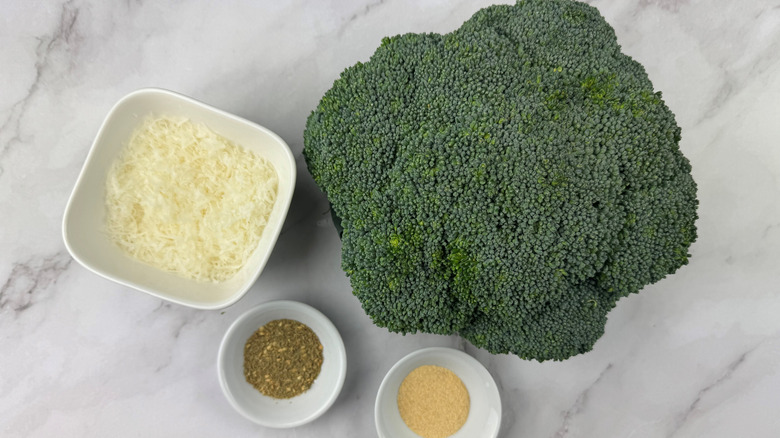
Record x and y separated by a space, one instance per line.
83 222
484 418
268 411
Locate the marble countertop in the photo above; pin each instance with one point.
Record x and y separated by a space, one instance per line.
697 354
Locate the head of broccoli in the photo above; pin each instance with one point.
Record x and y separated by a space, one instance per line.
509 181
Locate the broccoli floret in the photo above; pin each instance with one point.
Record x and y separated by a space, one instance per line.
509 181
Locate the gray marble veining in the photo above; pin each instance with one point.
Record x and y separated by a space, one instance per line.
697 354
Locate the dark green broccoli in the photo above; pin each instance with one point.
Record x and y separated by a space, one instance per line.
509 181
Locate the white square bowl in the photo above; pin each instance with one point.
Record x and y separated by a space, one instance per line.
83 227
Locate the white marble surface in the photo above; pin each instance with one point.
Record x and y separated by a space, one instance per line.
695 355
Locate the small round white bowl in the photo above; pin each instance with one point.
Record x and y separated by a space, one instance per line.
484 418
268 411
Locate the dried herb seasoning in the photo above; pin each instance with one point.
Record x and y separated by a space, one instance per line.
282 358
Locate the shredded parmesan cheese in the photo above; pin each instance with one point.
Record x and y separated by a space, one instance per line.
186 200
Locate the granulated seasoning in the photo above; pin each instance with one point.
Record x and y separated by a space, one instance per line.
282 358
433 401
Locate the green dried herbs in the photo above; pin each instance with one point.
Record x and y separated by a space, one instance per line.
282 358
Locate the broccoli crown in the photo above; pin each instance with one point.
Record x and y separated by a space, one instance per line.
508 181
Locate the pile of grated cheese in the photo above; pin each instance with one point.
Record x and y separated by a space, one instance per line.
186 200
